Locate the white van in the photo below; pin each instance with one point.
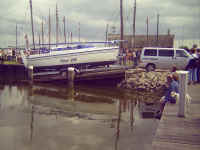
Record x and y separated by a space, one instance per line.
152 58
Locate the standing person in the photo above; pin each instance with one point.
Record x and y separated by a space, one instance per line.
127 56
191 69
137 57
134 57
124 56
194 51
195 67
198 66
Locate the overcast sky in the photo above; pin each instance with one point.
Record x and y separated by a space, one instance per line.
182 17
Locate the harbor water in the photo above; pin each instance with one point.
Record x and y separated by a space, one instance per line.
89 116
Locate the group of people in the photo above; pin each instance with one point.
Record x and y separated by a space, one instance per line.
194 66
130 57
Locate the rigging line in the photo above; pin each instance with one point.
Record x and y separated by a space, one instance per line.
128 23
114 15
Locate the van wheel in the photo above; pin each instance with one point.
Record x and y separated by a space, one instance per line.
150 67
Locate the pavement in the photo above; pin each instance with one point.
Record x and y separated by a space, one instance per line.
194 92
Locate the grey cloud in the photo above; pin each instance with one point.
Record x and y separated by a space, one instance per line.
177 15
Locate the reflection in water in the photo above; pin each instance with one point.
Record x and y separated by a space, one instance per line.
13 97
76 107
124 106
32 123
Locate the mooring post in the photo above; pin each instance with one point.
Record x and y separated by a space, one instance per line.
183 85
71 75
30 74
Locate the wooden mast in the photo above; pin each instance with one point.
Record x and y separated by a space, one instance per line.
147 31
107 26
56 24
16 36
79 34
157 29
39 40
32 24
42 32
64 30
121 26
134 18
49 30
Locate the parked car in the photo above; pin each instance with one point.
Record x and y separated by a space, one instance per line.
152 58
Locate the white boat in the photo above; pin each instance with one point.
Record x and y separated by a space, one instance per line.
78 56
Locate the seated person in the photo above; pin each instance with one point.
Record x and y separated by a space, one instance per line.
172 86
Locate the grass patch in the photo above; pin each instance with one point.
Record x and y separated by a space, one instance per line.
10 62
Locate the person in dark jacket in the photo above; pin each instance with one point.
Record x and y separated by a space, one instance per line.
198 70
192 68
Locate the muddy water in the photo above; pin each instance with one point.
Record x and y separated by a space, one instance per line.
60 117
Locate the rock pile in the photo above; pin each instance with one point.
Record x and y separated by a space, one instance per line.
150 84
139 79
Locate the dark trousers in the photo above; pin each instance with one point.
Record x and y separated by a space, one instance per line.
198 74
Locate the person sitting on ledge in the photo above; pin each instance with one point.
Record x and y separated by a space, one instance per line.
171 86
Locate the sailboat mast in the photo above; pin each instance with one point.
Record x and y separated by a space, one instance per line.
32 23
121 26
157 35
16 36
64 30
79 34
107 26
39 40
147 31
134 18
49 30
56 24
42 32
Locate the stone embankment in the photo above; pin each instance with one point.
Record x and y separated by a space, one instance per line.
149 85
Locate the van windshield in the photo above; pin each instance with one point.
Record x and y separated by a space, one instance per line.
181 53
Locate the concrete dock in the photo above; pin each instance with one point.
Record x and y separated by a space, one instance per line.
180 133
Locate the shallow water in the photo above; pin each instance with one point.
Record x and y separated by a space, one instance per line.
89 116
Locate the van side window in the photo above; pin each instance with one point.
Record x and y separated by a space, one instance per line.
150 52
180 53
166 53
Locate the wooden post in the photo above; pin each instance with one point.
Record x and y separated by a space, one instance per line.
30 74
183 80
71 75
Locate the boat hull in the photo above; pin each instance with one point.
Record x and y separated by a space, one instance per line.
92 56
